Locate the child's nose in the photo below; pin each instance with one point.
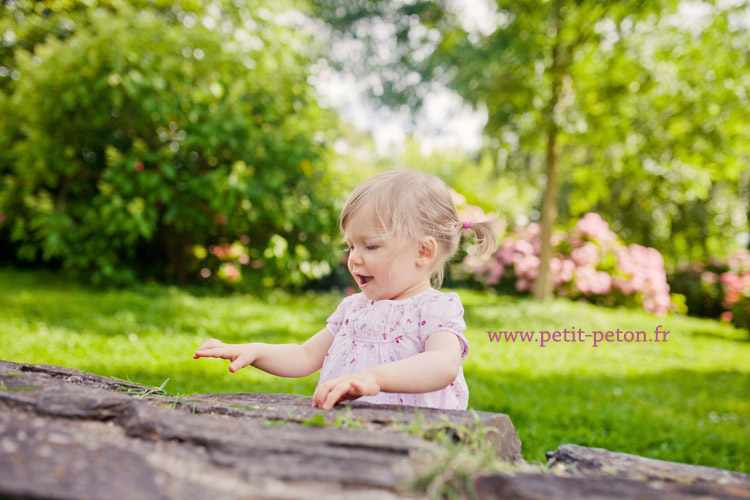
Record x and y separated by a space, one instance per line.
355 257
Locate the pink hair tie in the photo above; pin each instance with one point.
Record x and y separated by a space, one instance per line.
467 224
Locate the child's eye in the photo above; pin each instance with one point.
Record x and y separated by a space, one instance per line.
372 247
347 249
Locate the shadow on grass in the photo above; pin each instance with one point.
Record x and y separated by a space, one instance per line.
718 336
161 310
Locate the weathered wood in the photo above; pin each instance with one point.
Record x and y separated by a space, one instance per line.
597 461
66 434
528 486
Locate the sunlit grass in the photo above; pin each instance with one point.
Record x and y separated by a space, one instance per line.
686 400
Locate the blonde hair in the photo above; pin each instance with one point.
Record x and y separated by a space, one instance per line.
411 205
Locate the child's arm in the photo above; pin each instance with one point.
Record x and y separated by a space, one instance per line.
429 371
284 360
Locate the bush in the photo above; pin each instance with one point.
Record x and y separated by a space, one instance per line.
736 284
717 289
701 286
589 263
137 141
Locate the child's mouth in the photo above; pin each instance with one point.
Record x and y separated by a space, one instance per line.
362 280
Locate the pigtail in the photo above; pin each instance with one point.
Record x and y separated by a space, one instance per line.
485 235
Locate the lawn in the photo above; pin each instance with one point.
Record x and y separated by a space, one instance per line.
686 399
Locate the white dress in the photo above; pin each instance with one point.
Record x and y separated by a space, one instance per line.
368 333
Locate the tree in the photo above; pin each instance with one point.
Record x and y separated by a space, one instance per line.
551 75
670 126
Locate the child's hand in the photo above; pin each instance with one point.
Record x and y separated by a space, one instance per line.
345 387
240 355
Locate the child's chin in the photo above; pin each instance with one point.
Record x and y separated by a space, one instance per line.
372 294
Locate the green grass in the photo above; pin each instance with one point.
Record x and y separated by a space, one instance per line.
686 400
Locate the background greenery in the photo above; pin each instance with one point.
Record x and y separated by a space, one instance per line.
685 400
139 134
635 110
155 141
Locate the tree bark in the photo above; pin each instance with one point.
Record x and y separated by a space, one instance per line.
543 284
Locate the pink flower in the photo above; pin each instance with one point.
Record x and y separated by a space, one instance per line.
590 281
496 273
221 251
524 247
730 279
506 252
231 272
527 266
587 254
534 230
560 270
638 269
523 285
709 277
739 261
594 227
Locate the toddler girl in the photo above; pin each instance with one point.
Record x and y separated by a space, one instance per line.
400 341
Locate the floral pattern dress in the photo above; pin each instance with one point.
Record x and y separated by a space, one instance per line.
368 333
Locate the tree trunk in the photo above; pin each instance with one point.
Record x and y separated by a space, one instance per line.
543 284
175 245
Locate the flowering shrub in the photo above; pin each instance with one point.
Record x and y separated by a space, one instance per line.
736 286
227 262
717 289
589 263
700 284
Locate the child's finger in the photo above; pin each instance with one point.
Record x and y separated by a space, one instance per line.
210 343
357 388
316 399
216 352
335 395
321 393
239 363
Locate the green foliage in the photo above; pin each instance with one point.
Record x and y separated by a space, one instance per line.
465 453
139 136
317 420
510 196
661 107
649 109
685 400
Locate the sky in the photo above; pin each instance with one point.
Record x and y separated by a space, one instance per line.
445 122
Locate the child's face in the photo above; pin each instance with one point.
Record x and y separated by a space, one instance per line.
383 268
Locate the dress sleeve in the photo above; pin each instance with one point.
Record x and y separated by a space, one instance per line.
444 313
337 319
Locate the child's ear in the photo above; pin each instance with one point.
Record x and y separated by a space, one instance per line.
426 251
